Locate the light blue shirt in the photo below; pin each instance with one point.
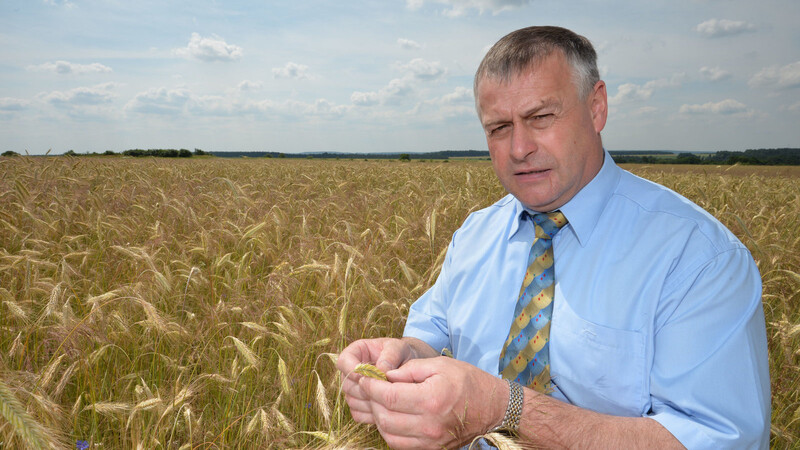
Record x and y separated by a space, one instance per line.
657 308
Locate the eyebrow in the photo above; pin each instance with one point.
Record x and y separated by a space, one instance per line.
546 103
549 102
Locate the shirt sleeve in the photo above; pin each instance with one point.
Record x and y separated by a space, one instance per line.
427 317
710 376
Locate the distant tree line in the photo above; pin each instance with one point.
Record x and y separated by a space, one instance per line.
164 153
137 152
444 154
763 156
760 157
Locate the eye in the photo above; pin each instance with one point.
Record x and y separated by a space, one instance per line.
542 120
498 129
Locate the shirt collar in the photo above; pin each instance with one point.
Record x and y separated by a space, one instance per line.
584 209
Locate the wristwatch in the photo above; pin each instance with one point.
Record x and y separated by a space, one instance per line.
510 424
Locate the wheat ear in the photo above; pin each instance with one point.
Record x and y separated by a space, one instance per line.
370 371
25 426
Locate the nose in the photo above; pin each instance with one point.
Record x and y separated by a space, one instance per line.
523 142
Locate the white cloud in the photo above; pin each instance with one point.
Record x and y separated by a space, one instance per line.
723 27
207 105
65 3
787 76
9 104
209 49
159 101
645 111
724 107
424 70
459 8
714 73
408 44
365 98
459 103
163 101
794 108
291 70
66 67
322 107
414 4
249 86
417 71
94 95
460 94
394 92
630 92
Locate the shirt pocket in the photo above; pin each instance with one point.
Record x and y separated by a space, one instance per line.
597 367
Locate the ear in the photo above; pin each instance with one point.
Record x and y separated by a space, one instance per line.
598 105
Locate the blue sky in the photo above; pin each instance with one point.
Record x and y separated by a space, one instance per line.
379 76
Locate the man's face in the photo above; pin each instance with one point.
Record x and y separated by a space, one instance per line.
544 140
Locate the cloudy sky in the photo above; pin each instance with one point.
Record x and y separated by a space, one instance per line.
378 75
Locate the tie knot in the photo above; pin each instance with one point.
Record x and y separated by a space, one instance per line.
547 225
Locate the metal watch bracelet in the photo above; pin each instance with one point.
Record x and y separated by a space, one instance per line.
516 395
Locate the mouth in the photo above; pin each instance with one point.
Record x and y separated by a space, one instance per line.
532 172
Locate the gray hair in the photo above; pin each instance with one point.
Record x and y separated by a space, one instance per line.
526 47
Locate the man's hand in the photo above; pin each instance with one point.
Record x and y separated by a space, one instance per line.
438 402
433 403
385 353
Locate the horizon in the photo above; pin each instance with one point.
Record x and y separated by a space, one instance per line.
379 77
482 153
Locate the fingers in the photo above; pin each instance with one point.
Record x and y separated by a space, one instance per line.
360 409
351 356
364 395
414 371
387 354
366 351
404 431
408 391
407 426
393 354
362 417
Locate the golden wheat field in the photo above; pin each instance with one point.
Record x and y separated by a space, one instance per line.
200 303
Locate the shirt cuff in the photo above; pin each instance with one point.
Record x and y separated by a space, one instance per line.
434 340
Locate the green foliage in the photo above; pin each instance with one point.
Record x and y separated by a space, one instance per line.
688 158
404 157
164 153
10 153
773 157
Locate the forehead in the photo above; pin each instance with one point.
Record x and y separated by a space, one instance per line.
547 82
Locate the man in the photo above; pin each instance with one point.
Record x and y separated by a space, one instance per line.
656 334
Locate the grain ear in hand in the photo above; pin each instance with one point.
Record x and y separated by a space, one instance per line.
371 371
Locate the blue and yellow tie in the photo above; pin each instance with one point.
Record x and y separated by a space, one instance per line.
525 355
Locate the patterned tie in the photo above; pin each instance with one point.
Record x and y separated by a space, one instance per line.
525 355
